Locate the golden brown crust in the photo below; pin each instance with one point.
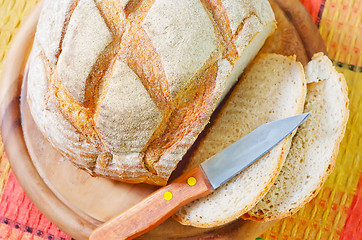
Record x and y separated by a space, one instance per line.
69 13
113 14
96 82
141 56
219 14
184 95
73 111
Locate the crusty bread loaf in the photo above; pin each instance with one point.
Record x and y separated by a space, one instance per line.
273 87
123 88
314 147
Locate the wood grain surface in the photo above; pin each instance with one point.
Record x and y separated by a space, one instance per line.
78 203
155 208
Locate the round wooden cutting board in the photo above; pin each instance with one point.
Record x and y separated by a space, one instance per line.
73 200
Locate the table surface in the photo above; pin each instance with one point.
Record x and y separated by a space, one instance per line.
336 212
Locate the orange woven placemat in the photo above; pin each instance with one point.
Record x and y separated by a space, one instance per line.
336 212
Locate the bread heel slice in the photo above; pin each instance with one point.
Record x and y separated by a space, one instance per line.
258 98
314 149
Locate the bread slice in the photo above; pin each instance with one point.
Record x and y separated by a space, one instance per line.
314 147
258 98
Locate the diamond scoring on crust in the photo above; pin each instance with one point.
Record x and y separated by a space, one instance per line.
83 43
125 130
75 112
118 20
114 16
183 43
73 5
124 3
221 18
138 52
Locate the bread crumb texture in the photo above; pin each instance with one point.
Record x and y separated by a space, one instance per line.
273 87
314 147
123 88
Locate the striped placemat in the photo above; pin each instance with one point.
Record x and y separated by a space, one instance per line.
336 212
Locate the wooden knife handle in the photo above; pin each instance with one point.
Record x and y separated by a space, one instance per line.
156 208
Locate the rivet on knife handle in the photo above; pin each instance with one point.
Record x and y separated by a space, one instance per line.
156 208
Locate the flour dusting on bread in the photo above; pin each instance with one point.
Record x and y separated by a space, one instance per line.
136 83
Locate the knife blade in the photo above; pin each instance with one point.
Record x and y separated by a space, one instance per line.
222 166
198 182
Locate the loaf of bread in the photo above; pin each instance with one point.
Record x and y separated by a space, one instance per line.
123 88
273 87
315 146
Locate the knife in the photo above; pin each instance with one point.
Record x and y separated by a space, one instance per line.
198 182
